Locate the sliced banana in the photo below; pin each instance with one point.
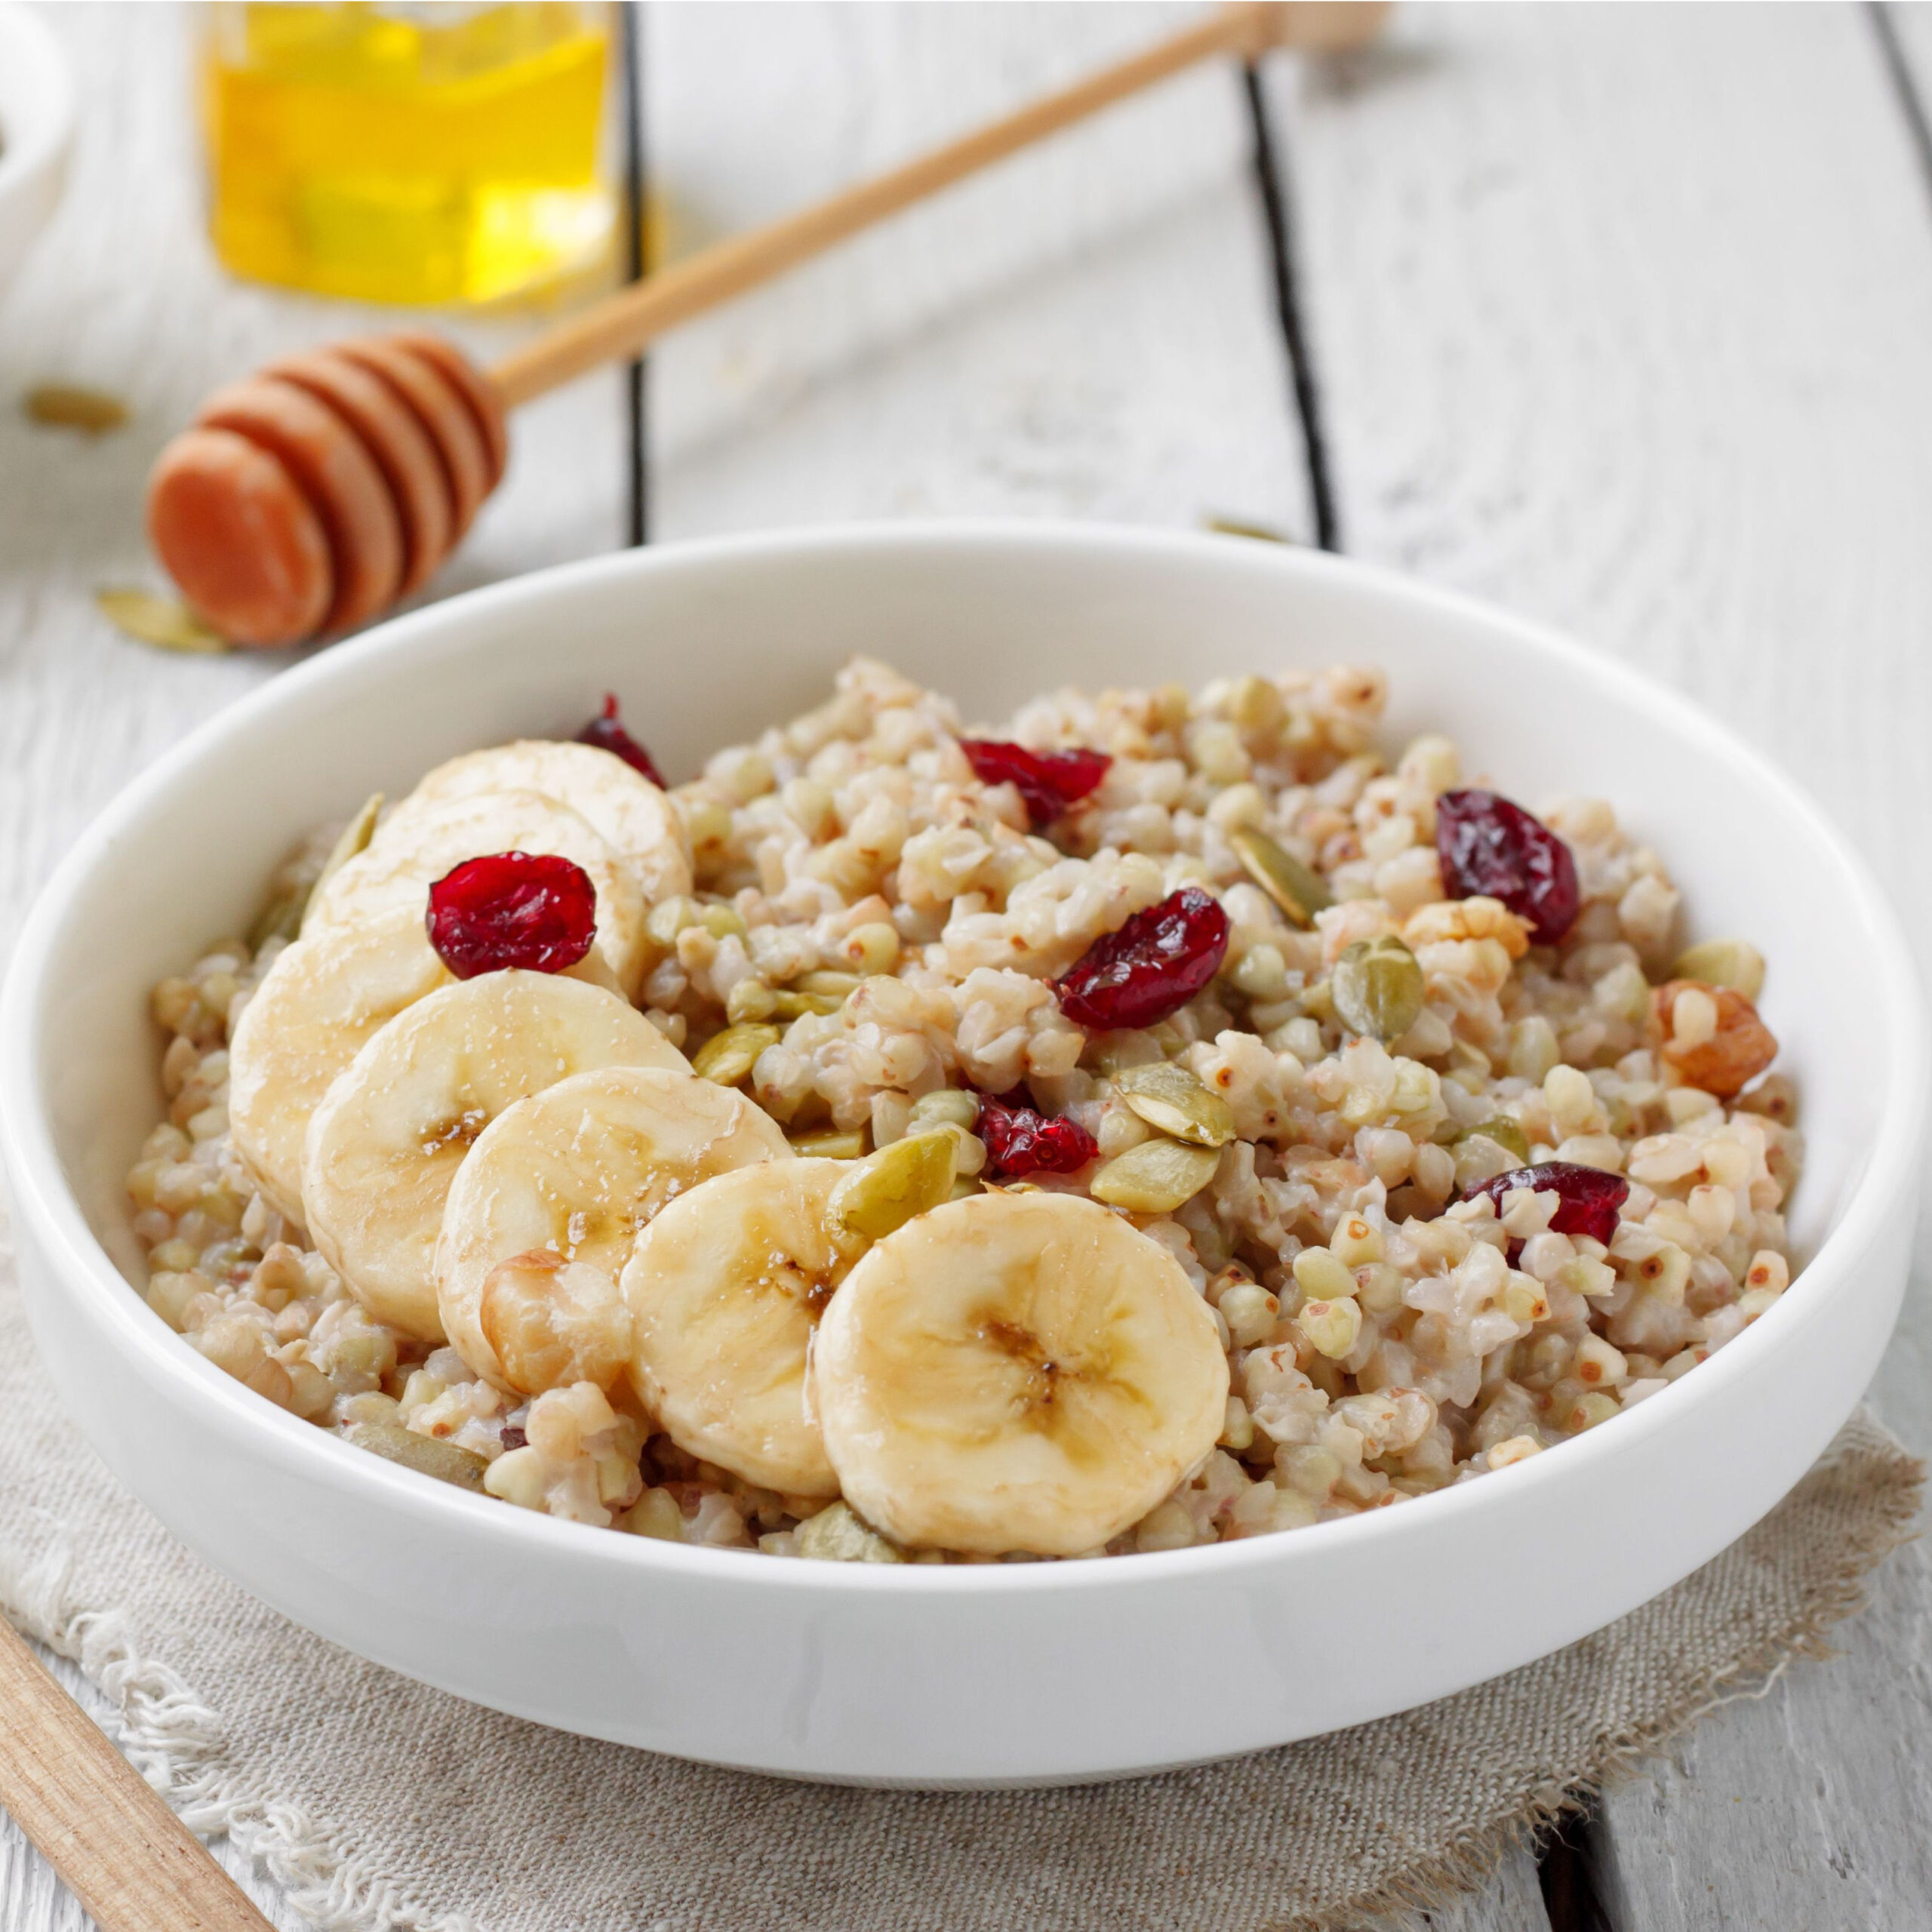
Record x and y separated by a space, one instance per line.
542 1216
320 1001
415 848
385 1144
1015 1371
636 819
726 1285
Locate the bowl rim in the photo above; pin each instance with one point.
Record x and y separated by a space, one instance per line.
47 126
298 1447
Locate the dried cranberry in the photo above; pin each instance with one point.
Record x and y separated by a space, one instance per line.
1588 1198
607 735
513 1437
1050 781
530 910
1157 961
1020 1139
1492 847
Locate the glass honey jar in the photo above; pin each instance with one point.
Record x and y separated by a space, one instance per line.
426 154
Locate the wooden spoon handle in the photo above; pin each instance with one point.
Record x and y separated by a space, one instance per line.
134 1865
621 325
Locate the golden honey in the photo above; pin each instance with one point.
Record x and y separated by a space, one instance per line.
425 154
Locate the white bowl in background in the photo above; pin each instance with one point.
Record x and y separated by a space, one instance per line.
1039 1672
36 129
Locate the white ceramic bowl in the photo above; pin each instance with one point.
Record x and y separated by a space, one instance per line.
36 129
1047 1671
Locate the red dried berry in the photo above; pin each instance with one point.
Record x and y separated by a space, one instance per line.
1156 962
607 735
1050 781
1489 846
1588 1200
530 911
1020 1139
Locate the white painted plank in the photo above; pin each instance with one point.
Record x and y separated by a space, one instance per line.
1085 331
1624 318
1510 1902
123 294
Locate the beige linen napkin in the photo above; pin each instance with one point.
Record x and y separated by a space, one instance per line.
378 1803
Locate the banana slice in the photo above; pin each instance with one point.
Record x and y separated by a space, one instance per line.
725 1288
388 1136
542 1216
726 1285
320 1001
637 820
1022 1371
415 848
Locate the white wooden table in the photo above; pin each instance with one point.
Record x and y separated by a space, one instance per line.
1623 317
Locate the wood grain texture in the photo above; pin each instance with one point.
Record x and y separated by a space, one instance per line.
1084 331
1625 321
115 1844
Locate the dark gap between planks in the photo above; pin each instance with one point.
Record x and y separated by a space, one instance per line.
1270 180
1570 1859
1573 1874
1910 103
637 389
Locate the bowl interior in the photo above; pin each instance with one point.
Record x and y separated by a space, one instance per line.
708 644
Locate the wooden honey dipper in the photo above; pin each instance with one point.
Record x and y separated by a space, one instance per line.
309 498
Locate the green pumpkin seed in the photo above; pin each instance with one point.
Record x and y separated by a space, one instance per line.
796 1005
840 986
1504 1131
1155 1177
356 837
281 918
1172 1101
728 1057
67 406
164 621
1234 526
1376 987
950 1106
424 1453
898 1182
1734 963
829 1144
838 1534
1299 892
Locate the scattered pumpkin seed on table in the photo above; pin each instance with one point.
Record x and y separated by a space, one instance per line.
69 406
164 621
1297 890
1155 1177
1377 988
1171 1100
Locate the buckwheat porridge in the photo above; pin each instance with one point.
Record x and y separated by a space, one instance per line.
1157 1121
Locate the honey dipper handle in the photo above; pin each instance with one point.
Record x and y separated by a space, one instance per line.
621 325
134 1865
